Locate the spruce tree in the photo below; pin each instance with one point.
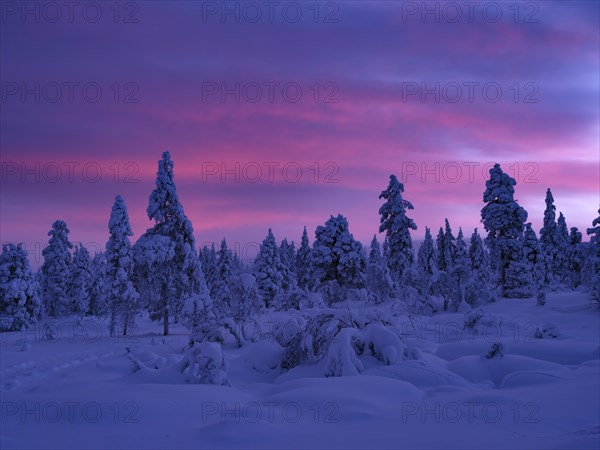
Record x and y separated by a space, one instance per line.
536 263
426 256
441 245
575 257
504 220
173 275
593 260
221 292
396 225
20 304
549 243
272 276
337 256
303 263
122 297
379 282
98 291
81 281
55 271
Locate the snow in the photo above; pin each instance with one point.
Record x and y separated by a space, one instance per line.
420 382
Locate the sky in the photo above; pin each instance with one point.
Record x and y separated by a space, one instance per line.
280 115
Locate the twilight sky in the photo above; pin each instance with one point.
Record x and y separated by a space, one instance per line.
279 121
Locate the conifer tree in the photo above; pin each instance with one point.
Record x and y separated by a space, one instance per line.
504 220
55 271
20 304
396 225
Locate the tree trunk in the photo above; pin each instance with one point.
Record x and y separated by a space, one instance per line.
166 322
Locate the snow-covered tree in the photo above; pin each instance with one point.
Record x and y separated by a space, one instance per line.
287 253
449 249
221 292
477 253
396 225
379 281
97 303
563 249
549 243
247 299
504 220
208 262
177 280
56 270
426 256
479 290
20 305
459 270
272 276
123 298
441 254
576 257
536 262
81 281
594 258
304 263
337 256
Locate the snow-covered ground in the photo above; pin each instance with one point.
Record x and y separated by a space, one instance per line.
78 390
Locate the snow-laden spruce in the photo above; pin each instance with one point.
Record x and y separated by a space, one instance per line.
123 298
208 262
272 275
535 263
20 305
81 285
550 244
379 281
504 221
339 261
56 270
397 225
575 257
287 254
304 277
172 276
225 270
97 300
593 265
426 256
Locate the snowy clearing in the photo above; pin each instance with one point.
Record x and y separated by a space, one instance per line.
77 389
